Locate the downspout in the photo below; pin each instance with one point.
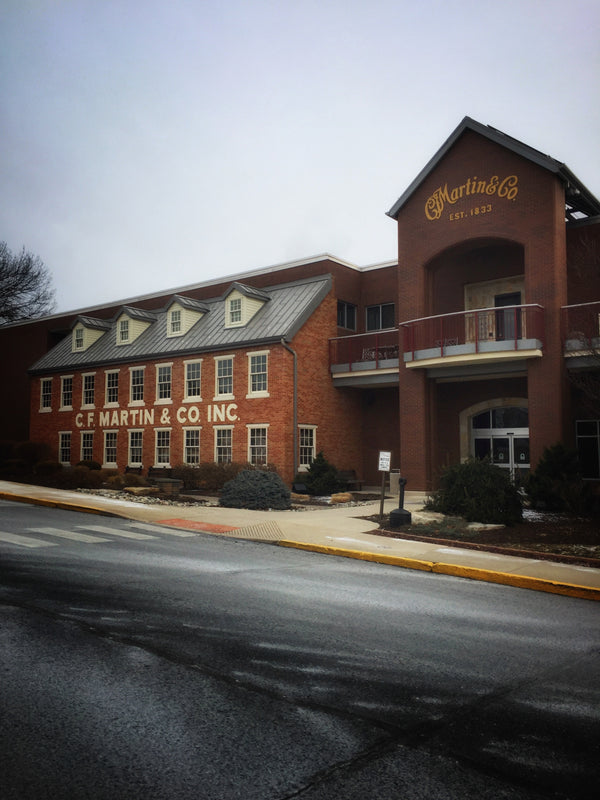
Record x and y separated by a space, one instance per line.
295 403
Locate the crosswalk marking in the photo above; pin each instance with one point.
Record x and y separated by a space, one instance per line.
73 535
24 541
116 532
144 526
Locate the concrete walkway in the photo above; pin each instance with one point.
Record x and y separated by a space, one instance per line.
335 530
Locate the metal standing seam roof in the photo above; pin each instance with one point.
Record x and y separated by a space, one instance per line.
288 308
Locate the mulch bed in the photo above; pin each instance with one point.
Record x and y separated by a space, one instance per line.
551 537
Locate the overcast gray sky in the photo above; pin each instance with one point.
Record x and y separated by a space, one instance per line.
148 145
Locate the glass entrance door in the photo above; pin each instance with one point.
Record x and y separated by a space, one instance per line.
505 444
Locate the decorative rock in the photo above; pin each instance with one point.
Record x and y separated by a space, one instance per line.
141 491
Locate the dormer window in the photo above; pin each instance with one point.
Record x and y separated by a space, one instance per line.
182 314
235 311
242 303
123 331
175 321
86 331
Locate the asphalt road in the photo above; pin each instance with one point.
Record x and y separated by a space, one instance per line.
136 663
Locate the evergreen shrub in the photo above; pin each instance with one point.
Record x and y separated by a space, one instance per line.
256 489
478 491
321 478
556 483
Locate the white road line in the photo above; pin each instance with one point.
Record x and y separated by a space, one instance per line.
24 541
169 531
73 535
116 532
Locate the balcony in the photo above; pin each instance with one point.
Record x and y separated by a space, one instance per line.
581 333
370 357
483 335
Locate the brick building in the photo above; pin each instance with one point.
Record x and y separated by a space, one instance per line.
476 342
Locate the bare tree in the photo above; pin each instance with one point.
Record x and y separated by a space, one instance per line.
26 289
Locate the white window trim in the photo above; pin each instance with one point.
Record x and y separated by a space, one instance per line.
45 409
262 392
60 435
131 463
83 433
170 332
120 340
163 401
229 395
254 426
222 428
184 431
136 403
109 464
165 465
62 379
108 372
85 375
193 398
304 467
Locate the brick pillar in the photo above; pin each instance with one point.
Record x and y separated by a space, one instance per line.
546 284
416 423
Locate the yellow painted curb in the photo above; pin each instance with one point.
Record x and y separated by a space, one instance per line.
62 504
473 573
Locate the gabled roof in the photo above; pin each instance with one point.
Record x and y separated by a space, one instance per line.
579 201
91 322
137 313
290 306
247 291
187 302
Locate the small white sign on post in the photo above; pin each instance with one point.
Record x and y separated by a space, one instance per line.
385 460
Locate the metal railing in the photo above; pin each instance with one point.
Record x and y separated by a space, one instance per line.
378 349
581 327
478 330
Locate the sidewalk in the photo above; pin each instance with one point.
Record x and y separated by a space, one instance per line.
336 531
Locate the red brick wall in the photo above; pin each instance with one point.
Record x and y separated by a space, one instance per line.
337 414
529 221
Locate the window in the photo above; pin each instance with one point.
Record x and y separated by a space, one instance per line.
163 382
112 388
346 315
192 380
235 311
381 316
223 445
64 447
89 384
224 377
175 321
46 394
257 444
66 391
135 448
110 448
136 385
588 447
123 331
78 338
191 446
163 447
257 377
87 446
307 446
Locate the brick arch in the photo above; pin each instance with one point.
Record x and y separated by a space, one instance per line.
467 414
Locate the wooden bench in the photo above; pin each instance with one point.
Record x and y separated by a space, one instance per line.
348 479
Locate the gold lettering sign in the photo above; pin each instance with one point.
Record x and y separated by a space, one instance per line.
507 188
